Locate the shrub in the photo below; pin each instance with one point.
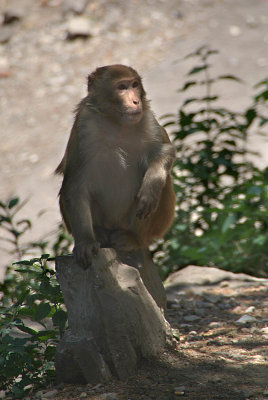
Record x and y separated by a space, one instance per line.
222 202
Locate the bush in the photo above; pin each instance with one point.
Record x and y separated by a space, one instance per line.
33 315
222 201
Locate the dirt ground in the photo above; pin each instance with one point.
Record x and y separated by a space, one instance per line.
220 351
42 77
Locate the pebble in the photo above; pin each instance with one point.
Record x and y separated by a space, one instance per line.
234 30
49 395
250 310
83 395
2 394
109 396
252 22
179 391
215 324
78 27
264 332
192 336
191 318
246 319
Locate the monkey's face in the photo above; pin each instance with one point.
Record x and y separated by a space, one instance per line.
127 94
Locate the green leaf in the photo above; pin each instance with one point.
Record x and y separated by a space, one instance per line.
45 256
42 311
13 202
26 329
59 318
23 262
228 222
250 115
230 77
187 85
198 69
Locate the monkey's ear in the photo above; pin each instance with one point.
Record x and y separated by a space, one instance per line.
95 75
90 80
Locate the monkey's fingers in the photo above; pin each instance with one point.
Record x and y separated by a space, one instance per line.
84 253
144 210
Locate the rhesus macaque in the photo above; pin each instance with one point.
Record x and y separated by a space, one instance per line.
117 190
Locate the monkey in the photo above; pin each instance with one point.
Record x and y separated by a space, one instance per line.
117 189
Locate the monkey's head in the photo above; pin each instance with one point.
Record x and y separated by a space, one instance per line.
117 92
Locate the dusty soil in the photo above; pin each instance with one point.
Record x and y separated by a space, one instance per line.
214 356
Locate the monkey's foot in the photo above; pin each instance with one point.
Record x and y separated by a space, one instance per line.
123 240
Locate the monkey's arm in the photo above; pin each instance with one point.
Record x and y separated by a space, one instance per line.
75 208
161 158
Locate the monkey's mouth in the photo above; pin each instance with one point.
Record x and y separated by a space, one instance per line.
133 113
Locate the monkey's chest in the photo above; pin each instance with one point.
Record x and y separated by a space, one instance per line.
117 179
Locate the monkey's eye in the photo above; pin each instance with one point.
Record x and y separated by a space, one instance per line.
135 84
121 86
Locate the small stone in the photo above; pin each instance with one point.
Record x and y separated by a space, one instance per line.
264 332
50 395
6 33
179 391
109 396
234 30
192 336
191 318
215 324
246 319
78 27
11 15
252 22
83 395
2 394
250 310
97 388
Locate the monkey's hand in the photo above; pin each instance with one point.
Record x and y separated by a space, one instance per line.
84 253
147 201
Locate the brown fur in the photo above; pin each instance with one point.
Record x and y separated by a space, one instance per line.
117 190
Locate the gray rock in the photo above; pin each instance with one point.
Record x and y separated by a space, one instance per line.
215 324
200 279
245 319
191 318
250 310
79 27
49 395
